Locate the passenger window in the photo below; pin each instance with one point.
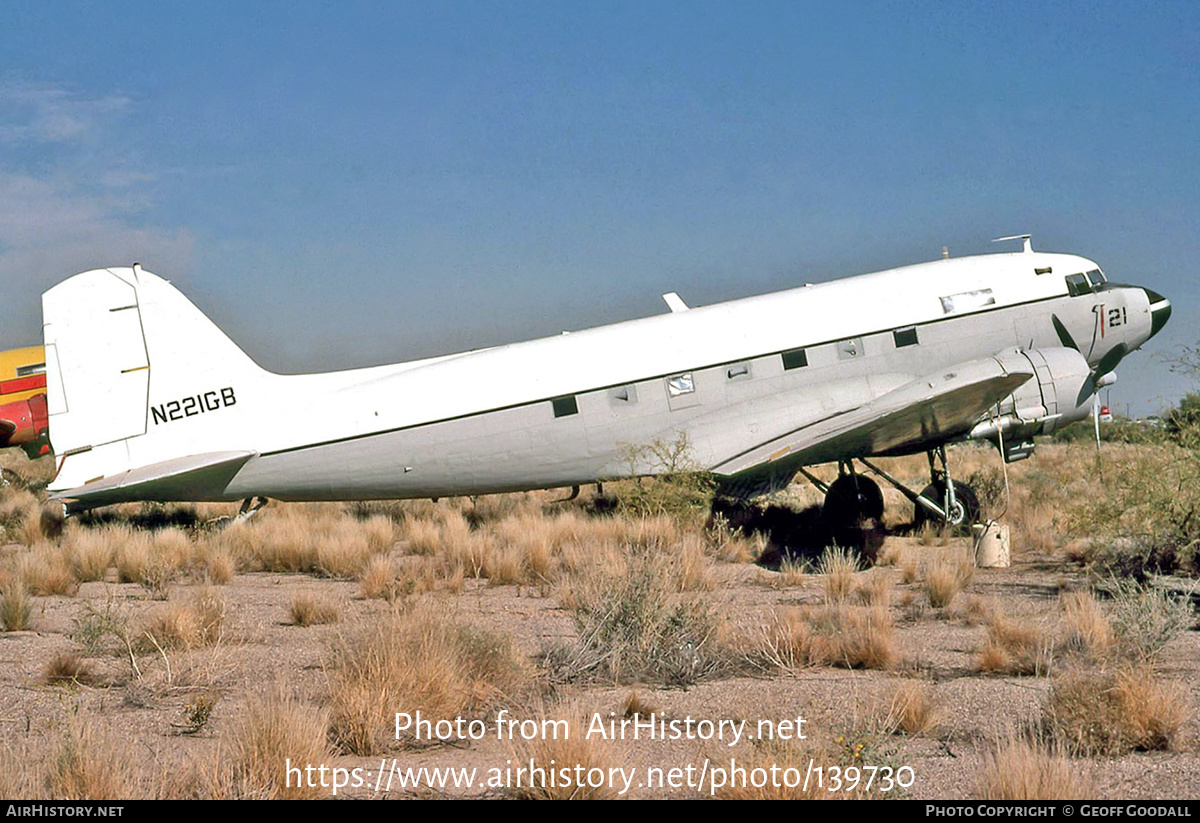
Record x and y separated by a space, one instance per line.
565 406
795 359
681 384
905 337
967 300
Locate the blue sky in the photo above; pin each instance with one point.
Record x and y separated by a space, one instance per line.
342 184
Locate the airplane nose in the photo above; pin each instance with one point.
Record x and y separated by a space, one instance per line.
1160 311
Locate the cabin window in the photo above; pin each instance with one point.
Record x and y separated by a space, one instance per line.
967 300
1078 284
622 395
795 359
1096 278
737 371
681 384
565 406
905 337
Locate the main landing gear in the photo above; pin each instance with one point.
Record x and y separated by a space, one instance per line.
854 502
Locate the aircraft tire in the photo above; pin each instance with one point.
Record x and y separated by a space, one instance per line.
852 499
966 512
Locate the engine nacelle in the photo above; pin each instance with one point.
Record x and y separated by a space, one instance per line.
26 424
1058 394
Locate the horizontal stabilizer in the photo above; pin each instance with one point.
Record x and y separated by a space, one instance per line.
196 477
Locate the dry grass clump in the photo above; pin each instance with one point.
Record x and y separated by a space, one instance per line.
90 765
792 573
733 545
876 589
92 551
150 559
422 662
852 637
308 609
17 782
788 641
913 709
837 566
68 668
948 575
859 637
1111 713
19 516
942 585
560 746
46 571
216 565
190 625
318 540
1088 630
1020 768
378 579
16 609
271 734
1145 619
434 535
636 617
1015 647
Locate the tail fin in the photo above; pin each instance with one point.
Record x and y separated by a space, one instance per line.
135 374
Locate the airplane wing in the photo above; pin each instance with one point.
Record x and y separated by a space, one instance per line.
919 414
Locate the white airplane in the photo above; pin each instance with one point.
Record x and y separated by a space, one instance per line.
148 400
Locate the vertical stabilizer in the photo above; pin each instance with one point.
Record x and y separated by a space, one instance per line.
135 373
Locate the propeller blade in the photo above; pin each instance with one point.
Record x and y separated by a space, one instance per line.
1063 334
1110 360
1107 363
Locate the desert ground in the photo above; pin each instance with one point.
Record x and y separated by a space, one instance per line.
161 651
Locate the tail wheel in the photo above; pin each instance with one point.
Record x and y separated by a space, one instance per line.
851 499
963 513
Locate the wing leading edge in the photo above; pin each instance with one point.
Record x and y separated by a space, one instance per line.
918 415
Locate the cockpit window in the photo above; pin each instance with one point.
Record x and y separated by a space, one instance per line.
1078 284
1096 278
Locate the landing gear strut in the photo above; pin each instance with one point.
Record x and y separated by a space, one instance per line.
854 499
955 504
250 507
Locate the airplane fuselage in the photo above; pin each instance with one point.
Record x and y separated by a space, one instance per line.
735 379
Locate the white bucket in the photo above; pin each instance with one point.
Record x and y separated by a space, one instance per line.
991 546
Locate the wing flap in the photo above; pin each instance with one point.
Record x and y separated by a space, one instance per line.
932 409
195 477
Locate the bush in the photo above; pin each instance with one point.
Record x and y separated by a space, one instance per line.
1145 619
1106 713
680 487
634 622
1147 517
